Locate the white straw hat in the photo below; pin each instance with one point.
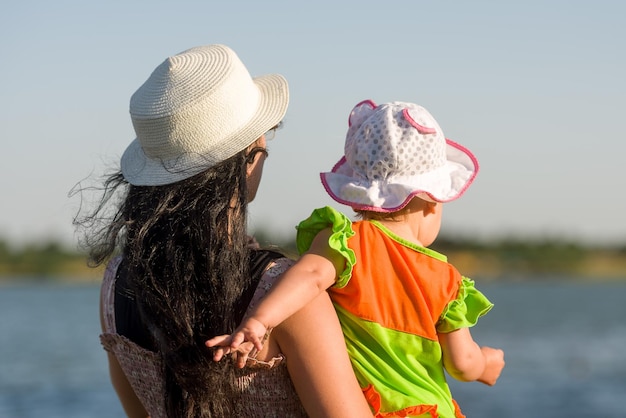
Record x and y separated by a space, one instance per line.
394 152
198 108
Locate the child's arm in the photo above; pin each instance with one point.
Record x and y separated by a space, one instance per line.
312 274
466 361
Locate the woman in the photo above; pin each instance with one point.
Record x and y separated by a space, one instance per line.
186 269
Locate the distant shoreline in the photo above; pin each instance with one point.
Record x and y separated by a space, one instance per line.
506 261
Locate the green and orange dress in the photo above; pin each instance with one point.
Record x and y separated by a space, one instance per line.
392 299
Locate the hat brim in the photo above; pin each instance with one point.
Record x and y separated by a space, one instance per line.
140 170
444 184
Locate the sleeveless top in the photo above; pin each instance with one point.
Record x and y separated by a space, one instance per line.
392 299
264 388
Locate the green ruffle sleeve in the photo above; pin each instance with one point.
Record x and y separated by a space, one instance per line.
341 227
464 311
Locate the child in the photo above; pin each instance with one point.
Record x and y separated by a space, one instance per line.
405 312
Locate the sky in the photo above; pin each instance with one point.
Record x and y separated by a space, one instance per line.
536 89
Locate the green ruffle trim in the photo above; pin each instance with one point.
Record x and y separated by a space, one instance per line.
341 227
464 311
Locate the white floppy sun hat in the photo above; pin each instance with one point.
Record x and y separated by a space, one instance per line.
394 152
198 108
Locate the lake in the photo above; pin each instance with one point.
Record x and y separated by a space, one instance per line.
564 342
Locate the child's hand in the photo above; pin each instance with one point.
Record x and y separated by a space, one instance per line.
249 337
240 354
494 363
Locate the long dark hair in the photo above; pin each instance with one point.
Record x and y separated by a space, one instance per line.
186 255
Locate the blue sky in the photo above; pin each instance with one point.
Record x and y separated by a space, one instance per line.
535 89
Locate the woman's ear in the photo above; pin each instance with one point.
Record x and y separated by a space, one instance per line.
250 169
252 159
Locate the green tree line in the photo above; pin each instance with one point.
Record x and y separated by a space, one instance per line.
513 258
43 261
502 259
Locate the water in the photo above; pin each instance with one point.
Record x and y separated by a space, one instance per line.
565 348
51 361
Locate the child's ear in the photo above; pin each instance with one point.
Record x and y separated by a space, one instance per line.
431 207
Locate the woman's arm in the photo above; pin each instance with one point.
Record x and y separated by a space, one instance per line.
466 361
130 402
318 363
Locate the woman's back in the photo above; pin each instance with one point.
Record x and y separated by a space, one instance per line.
263 388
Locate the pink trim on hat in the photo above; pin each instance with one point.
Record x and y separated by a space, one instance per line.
443 183
472 157
339 163
353 205
358 206
411 195
364 102
420 128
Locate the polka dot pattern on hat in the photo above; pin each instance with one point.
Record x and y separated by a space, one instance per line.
400 139
394 152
